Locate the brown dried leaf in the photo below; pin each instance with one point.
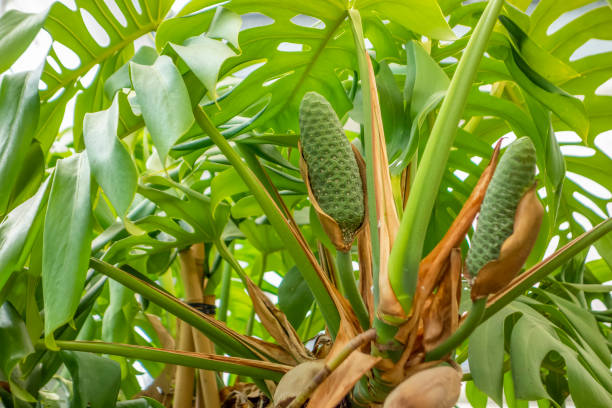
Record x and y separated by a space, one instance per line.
243 395
495 275
295 381
386 213
332 391
437 387
436 262
276 323
440 316
366 280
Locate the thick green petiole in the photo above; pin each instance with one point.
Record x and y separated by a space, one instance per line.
344 263
463 332
278 221
196 360
408 246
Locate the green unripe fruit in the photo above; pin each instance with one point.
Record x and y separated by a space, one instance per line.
332 168
513 176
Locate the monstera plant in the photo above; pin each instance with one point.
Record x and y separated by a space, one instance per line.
307 203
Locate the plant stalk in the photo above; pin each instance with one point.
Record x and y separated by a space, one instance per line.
466 328
175 307
240 366
278 221
344 264
408 247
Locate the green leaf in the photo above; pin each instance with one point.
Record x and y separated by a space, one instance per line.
261 236
425 87
18 231
118 316
568 108
511 399
196 210
144 402
477 398
486 355
294 297
66 241
95 380
68 27
527 355
225 25
204 56
15 345
585 325
121 77
164 102
29 177
110 162
225 184
18 119
17 30
421 16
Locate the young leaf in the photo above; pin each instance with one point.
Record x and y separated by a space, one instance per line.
17 30
204 56
164 102
95 379
66 241
17 233
110 161
18 119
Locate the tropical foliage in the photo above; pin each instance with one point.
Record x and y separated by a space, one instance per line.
179 178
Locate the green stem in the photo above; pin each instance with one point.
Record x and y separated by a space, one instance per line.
251 368
278 221
344 263
462 333
547 266
408 246
226 284
175 307
261 271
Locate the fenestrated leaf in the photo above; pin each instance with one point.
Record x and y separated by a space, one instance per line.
110 162
95 380
66 241
18 231
17 30
164 102
569 109
18 119
195 210
585 325
527 356
68 27
421 16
